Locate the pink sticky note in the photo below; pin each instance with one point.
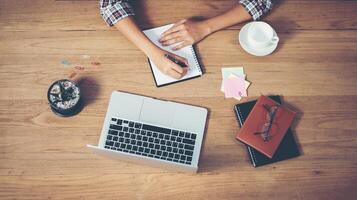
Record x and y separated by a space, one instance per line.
234 86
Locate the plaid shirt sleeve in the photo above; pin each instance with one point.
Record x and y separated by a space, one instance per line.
113 11
257 8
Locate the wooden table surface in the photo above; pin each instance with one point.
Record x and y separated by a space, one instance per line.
43 156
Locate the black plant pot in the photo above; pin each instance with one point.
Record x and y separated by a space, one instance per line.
71 95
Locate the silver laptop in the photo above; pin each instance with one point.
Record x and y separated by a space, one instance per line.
154 132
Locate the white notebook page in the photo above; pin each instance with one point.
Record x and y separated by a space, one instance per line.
186 52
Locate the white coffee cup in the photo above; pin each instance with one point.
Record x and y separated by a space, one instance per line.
261 34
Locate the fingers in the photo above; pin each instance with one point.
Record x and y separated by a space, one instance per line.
180 22
179 70
179 35
171 30
176 71
171 39
183 60
173 73
181 45
174 28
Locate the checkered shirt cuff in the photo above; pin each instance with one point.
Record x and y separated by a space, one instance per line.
113 11
257 8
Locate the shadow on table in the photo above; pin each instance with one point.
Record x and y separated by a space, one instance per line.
223 158
143 18
89 89
284 26
141 15
285 29
299 115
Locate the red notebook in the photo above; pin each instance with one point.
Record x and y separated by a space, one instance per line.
266 126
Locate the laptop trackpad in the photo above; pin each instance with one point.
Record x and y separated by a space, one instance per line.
156 112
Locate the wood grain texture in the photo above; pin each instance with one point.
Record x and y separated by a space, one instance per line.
43 156
84 15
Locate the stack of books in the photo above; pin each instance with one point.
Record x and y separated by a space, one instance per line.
265 130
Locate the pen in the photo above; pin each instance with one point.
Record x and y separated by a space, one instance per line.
181 64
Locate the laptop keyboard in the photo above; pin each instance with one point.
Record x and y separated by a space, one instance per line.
150 141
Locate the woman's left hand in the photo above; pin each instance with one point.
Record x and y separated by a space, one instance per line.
183 33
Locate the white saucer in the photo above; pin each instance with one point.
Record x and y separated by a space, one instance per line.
243 40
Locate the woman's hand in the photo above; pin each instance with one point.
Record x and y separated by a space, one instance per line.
168 67
185 32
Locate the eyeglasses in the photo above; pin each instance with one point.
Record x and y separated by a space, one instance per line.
265 132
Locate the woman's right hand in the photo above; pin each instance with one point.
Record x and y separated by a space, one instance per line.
168 67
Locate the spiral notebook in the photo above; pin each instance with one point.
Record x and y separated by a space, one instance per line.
187 52
287 148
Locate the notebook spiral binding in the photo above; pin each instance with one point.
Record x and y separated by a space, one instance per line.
198 66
